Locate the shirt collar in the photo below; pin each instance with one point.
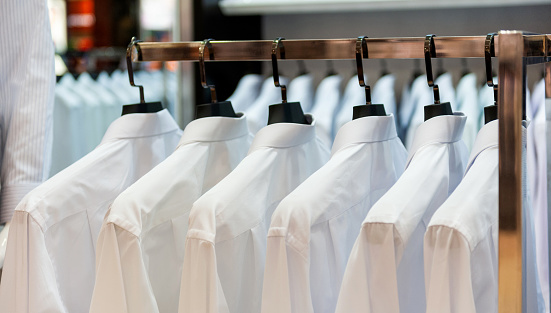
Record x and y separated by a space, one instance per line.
141 125
215 128
284 135
439 129
488 137
364 130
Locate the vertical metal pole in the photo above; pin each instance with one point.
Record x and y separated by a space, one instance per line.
511 49
185 103
548 135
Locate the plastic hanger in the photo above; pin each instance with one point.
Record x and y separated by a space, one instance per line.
437 108
284 112
215 108
384 68
368 109
142 107
490 112
302 70
465 68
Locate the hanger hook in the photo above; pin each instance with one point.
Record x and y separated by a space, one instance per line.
278 45
361 53
206 45
489 52
430 52
133 43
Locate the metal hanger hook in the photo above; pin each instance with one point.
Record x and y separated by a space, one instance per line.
489 52
131 45
277 45
206 45
430 52
361 53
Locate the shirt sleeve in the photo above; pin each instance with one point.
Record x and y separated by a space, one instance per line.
27 95
122 284
448 282
370 281
286 286
28 279
200 289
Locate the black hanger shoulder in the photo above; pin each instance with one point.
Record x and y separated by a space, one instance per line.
287 112
142 107
490 113
364 110
222 108
434 110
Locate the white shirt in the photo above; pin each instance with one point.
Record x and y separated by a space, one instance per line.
461 242
326 102
409 101
467 102
385 269
68 143
383 93
246 92
50 255
301 89
26 100
314 228
257 113
141 243
539 188
226 239
354 95
424 96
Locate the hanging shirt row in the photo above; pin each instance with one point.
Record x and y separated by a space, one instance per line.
214 219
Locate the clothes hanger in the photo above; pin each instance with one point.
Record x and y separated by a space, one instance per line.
142 107
490 112
215 108
368 109
437 108
284 112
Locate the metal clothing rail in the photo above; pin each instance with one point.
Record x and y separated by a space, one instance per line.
514 50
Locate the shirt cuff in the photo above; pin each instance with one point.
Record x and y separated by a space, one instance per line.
11 196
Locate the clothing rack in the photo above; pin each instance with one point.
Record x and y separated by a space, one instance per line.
514 50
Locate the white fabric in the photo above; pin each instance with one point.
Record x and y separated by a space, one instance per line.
385 269
226 240
354 95
409 100
68 142
423 95
301 89
246 92
467 102
142 240
27 83
383 93
110 108
314 228
326 103
50 256
539 187
461 242
257 113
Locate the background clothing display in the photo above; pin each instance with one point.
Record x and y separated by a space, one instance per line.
226 239
314 228
51 249
461 240
141 244
26 100
385 270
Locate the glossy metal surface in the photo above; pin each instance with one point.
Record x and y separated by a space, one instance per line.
510 171
331 49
